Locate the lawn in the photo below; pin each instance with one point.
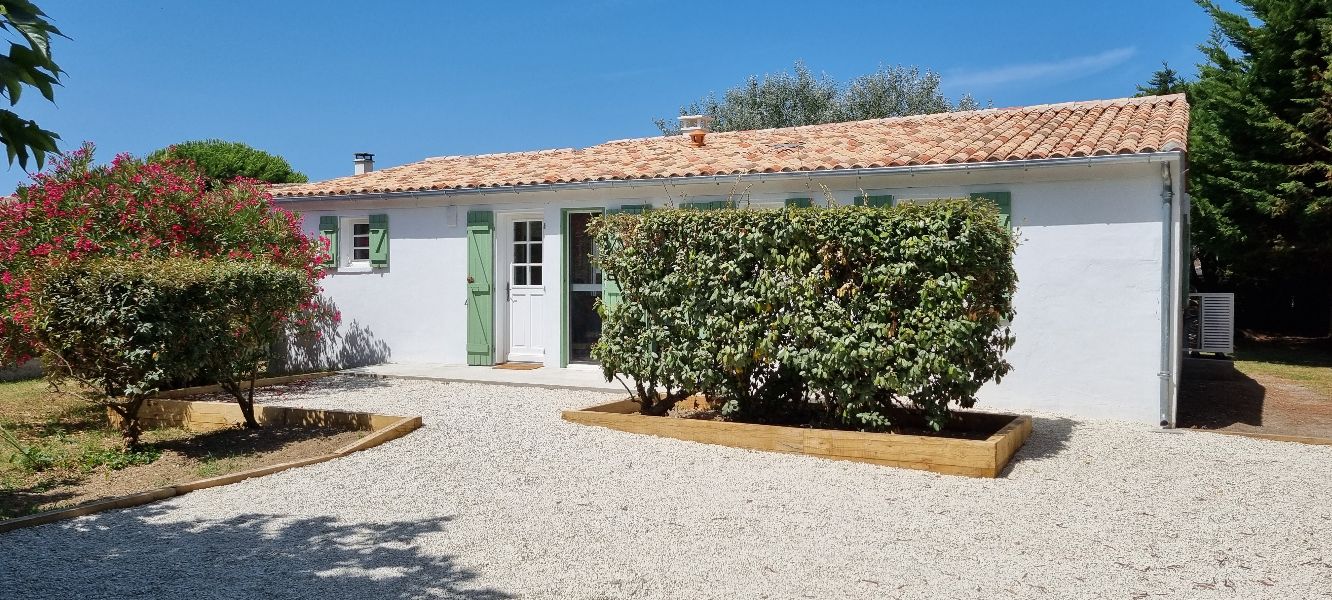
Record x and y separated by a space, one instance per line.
1306 362
56 450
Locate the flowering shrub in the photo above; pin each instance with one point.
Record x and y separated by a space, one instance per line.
77 211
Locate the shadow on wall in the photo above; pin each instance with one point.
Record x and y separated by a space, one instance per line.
328 345
266 556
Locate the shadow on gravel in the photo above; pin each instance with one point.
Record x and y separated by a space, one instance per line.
1213 394
129 555
1049 437
333 384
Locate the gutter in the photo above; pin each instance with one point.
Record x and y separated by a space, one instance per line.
1138 158
1167 286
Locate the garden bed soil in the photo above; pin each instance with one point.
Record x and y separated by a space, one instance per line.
183 459
976 444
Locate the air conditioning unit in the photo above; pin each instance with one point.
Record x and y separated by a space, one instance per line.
1209 323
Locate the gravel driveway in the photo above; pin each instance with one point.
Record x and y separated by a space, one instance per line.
497 497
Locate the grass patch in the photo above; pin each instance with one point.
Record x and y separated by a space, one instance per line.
1302 361
214 466
57 450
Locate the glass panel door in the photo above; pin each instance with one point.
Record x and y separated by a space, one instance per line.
584 289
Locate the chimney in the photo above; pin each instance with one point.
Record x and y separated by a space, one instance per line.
365 163
696 127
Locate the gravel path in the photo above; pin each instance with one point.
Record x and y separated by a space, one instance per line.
497 497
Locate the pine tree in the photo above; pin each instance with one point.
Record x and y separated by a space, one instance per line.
1164 82
1261 160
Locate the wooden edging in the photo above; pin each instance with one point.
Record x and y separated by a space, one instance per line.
1271 437
215 388
953 456
402 426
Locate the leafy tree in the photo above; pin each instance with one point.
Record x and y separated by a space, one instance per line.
223 161
27 64
1261 160
1164 81
801 98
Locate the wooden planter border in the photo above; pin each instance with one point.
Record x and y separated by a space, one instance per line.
216 388
953 456
382 428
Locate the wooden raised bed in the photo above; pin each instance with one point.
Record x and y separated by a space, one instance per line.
983 457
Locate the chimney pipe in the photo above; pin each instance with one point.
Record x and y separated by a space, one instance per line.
696 127
364 163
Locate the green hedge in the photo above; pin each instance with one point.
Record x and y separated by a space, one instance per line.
836 317
128 328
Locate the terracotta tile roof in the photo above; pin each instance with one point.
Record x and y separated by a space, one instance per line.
1074 129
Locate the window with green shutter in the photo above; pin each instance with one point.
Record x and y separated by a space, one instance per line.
799 202
874 201
714 205
634 209
328 228
379 241
1003 200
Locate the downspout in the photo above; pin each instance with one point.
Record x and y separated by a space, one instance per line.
1167 285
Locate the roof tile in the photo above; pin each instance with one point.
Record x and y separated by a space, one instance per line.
1096 128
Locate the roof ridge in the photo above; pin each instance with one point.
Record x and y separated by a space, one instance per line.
495 154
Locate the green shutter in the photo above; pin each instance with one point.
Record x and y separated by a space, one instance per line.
874 201
610 289
634 209
480 287
799 203
328 228
379 241
1003 200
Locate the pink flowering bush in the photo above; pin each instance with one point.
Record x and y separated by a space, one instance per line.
76 211
146 230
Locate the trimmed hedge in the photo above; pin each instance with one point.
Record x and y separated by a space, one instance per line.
128 328
836 317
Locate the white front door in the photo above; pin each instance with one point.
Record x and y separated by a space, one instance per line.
526 291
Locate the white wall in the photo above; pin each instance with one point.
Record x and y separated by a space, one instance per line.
1088 262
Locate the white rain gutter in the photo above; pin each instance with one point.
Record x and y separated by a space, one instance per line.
1167 286
1145 157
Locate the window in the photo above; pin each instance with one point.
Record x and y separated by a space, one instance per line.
527 257
356 244
360 241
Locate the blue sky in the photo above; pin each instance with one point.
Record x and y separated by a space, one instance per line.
316 81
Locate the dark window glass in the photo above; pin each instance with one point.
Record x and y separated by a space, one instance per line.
520 253
519 275
534 229
520 231
580 250
535 253
536 274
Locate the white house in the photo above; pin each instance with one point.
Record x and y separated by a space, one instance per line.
483 259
